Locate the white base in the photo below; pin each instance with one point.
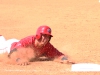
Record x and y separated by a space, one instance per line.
85 67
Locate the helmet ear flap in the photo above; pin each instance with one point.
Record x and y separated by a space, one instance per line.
38 36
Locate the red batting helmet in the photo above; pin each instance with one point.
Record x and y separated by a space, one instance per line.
43 30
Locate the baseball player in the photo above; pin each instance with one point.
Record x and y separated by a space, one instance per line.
33 47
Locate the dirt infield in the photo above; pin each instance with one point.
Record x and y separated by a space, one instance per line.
75 27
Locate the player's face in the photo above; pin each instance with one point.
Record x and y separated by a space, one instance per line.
44 40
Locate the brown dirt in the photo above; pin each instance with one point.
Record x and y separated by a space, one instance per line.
75 27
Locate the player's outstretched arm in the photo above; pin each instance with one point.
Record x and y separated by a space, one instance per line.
64 59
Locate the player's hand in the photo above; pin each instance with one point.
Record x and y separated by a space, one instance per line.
22 62
67 62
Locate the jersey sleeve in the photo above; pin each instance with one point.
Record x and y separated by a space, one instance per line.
52 52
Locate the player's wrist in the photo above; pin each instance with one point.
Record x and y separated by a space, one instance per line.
64 58
18 59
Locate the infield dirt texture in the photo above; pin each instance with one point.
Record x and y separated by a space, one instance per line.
75 26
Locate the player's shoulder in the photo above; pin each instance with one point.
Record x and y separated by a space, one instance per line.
29 37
